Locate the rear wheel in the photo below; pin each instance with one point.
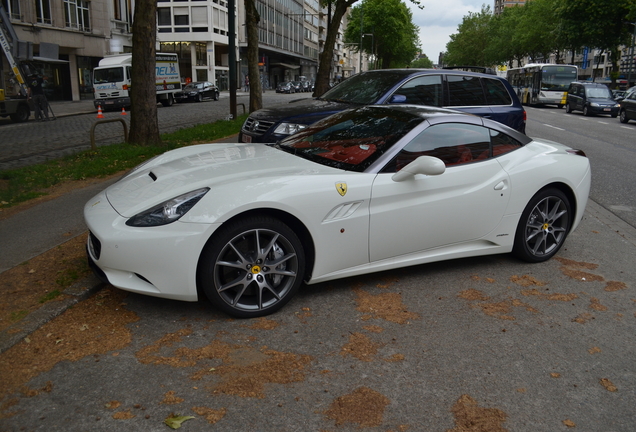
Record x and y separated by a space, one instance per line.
252 267
167 102
543 227
21 114
623 116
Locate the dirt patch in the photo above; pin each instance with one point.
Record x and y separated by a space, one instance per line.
470 417
211 415
92 327
526 281
615 286
609 386
544 296
26 287
360 347
473 295
243 370
386 306
364 407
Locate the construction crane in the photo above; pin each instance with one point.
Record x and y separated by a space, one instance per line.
18 109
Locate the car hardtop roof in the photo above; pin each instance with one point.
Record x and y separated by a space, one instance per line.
414 71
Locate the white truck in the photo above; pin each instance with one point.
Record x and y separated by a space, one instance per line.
112 80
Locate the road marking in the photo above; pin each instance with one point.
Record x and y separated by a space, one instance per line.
553 127
603 122
626 127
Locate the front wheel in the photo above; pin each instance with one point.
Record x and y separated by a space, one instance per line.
216 95
252 267
568 109
586 111
543 227
623 116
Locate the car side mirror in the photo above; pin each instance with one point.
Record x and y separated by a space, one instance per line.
427 165
397 99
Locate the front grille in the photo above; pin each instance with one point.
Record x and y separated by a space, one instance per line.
94 245
257 127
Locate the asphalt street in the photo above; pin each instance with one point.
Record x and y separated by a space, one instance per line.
490 340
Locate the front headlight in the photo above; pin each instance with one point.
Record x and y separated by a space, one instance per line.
594 104
289 128
168 211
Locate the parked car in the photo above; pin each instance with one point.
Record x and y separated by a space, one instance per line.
298 86
591 98
365 190
285 87
481 94
627 109
307 86
618 94
198 91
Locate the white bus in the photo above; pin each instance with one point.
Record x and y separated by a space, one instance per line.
542 84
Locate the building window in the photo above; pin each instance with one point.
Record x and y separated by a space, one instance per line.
43 11
163 17
76 14
13 8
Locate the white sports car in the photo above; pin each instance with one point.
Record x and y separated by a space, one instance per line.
365 190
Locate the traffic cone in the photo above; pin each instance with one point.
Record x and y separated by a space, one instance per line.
99 112
123 111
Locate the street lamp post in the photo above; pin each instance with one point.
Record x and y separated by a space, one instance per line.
362 35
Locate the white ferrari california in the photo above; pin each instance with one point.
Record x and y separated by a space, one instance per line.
365 190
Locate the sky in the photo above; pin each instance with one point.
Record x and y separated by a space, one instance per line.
439 19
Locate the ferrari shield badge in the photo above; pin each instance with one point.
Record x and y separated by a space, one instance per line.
341 188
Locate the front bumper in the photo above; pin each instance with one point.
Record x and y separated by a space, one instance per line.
158 261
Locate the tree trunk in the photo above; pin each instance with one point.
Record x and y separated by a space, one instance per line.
144 128
326 57
251 22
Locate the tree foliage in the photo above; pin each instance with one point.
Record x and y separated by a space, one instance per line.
539 28
469 46
423 62
388 29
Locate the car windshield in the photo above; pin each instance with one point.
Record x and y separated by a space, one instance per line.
599 92
364 89
351 140
193 86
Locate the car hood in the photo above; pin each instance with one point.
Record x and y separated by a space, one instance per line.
604 101
300 108
229 167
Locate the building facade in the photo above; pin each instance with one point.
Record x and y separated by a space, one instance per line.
68 38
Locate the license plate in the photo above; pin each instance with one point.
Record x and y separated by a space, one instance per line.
110 103
607 109
246 138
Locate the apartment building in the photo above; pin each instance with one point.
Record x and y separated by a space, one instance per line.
68 37
501 4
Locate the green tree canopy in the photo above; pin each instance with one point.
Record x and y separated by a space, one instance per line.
469 46
388 29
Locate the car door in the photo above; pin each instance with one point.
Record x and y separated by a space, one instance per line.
465 93
630 105
464 203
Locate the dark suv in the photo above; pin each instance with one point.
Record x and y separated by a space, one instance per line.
476 93
591 98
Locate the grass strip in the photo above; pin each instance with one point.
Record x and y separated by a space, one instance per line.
22 184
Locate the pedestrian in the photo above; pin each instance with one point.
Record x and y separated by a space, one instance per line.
247 83
36 93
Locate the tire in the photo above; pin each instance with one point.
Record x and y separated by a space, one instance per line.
623 116
216 95
245 283
543 227
568 109
21 114
167 102
560 106
586 111
198 98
